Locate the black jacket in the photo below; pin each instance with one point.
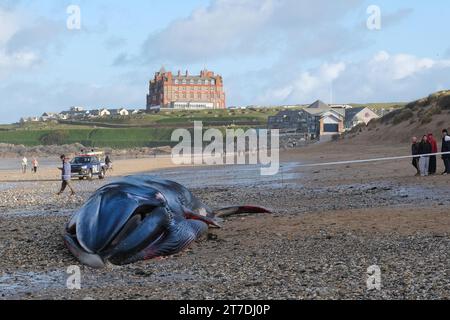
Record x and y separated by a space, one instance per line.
425 148
415 149
445 147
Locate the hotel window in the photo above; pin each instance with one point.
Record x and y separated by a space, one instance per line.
184 81
176 81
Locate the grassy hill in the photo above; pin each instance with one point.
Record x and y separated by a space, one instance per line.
427 115
147 130
91 137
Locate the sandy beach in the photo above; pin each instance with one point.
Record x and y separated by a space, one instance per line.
328 226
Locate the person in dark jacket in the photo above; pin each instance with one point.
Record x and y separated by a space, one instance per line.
424 150
414 152
446 148
108 162
434 149
66 175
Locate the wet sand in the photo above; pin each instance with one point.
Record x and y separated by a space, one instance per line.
328 226
49 169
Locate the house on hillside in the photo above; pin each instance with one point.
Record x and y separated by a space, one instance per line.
331 123
317 120
330 120
48 116
72 115
77 109
100 113
355 116
29 119
119 112
136 111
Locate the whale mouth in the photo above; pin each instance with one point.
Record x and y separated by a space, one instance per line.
133 223
145 225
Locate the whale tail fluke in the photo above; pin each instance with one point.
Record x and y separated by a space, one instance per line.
231 211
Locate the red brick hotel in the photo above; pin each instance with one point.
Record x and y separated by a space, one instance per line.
185 91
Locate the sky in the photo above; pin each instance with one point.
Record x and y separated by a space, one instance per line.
269 52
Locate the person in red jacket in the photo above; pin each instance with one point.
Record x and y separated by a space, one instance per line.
433 159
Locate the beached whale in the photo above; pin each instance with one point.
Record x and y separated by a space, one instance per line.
140 218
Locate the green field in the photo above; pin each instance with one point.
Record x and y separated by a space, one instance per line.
89 137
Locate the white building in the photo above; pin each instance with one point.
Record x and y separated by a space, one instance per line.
48 116
119 112
360 115
77 109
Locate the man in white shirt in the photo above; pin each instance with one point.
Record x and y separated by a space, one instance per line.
24 165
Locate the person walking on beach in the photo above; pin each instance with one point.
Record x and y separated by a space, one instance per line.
415 152
434 149
66 175
108 162
424 162
34 165
446 148
24 165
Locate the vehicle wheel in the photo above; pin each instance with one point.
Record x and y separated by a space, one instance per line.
81 178
102 174
90 175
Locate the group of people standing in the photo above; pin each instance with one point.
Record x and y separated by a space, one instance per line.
34 165
426 162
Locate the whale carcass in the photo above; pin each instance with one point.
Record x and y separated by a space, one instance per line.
140 218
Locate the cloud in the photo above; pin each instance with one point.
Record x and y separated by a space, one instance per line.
25 42
252 28
400 66
38 37
382 77
316 82
10 24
